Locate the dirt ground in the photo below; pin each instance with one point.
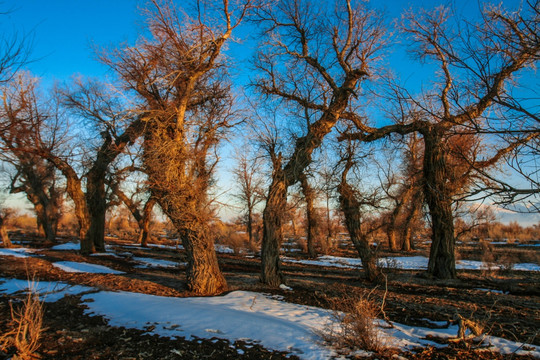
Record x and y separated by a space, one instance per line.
510 309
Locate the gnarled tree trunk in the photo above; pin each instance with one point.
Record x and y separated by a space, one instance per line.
353 220
203 274
413 212
144 222
96 203
276 203
179 181
442 262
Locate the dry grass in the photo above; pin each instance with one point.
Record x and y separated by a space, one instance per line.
354 325
26 328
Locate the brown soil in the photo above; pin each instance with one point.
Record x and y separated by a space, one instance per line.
409 297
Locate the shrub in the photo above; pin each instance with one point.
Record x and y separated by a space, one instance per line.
354 324
26 327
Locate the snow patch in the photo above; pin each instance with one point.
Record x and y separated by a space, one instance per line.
155 263
67 246
17 252
75 267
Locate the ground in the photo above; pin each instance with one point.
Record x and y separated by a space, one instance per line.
506 302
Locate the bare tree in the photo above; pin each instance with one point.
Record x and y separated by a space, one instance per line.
14 53
477 66
25 128
140 202
37 178
178 76
311 215
354 205
118 127
250 191
33 125
314 57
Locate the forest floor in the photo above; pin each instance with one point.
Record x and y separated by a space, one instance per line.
507 302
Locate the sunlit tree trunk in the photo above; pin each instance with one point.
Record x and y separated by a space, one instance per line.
276 203
4 234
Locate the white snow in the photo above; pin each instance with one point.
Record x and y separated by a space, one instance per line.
237 315
72 266
241 315
223 249
168 247
16 252
156 263
67 246
106 254
402 262
49 291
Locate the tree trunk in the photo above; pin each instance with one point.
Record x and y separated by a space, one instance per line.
249 225
4 234
144 222
96 203
391 234
179 181
300 159
203 274
276 203
45 203
310 215
442 262
351 210
407 242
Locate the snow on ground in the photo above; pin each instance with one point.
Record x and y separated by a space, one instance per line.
49 291
111 254
402 262
72 266
249 316
168 247
17 252
67 246
156 263
223 249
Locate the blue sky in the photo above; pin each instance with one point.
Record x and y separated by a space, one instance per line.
64 33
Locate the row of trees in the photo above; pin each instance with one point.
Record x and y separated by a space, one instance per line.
319 77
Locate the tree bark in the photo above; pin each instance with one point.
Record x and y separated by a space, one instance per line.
97 206
203 274
407 242
310 215
249 225
391 234
437 193
144 222
351 209
179 181
276 203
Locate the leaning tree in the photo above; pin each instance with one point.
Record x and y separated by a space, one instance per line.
178 76
313 57
476 67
